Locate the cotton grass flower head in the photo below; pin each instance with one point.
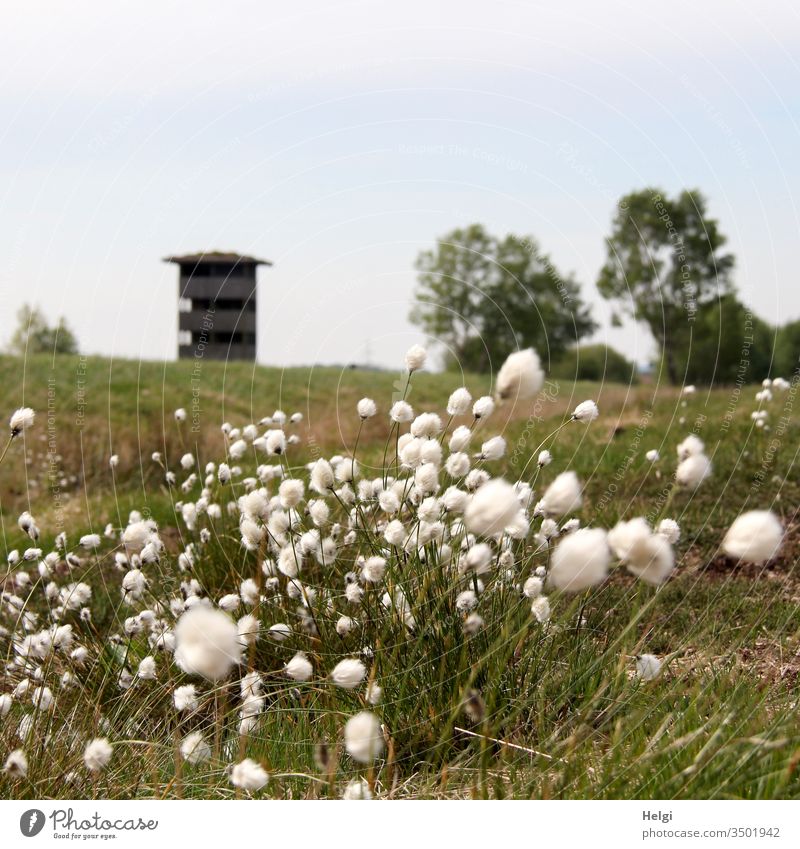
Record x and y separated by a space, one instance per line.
374 569
366 408
459 402
483 407
520 377
322 477
648 667
580 560
415 358
21 420
541 609
690 446
754 537
457 465
363 738
492 508
426 425
357 790
563 496
645 554
460 438
16 764
586 411
670 529
97 754
147 669
249 775
401 412
692 471
348 673
373 694
207 643
195 749
299 668
185 698
492 449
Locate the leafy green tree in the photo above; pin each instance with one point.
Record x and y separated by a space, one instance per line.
483 297
787 350
728 343
597 363
664 263
33 335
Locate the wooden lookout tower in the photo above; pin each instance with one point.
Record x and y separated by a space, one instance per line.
217 305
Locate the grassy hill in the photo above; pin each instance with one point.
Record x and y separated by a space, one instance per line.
721 723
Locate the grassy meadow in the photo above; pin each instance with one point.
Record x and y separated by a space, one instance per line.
522 709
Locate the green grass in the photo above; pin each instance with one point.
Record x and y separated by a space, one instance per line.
561 714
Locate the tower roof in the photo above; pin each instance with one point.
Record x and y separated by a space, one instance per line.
218 257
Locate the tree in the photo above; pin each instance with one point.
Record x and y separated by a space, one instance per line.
483 297
664 263
34 336
728 344
787 350
598 363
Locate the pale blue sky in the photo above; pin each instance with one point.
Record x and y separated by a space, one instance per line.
337 139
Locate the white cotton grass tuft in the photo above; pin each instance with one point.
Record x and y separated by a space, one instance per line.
690 446
541 609
648 667
415 358
363 738
492 508
754 537
692 471
21 420
366 408
207 643
401 412
195 749
185 698
460 439
580 560
563 496
645 554
459 402
483 407
520 377
492 449
97 754
299 668
670 529
586 411
357 790
147 669
348 673
248 775
322 477
16 764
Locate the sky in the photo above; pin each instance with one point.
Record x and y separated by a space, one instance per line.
337 139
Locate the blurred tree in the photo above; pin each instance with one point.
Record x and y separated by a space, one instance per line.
664 263
728 343
787 350
597 363
34 336
483 297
